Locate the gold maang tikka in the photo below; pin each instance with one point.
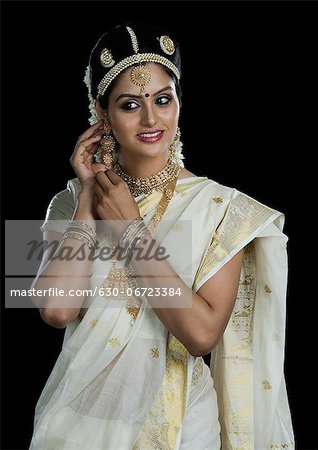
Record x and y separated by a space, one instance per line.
140 76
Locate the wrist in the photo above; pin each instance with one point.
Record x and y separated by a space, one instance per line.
135 229
84 210
122 225
87 191
83 230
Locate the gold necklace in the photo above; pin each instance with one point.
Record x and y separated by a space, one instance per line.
147 185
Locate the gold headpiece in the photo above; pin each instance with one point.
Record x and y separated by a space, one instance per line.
134 59
140 75
167 45
106 58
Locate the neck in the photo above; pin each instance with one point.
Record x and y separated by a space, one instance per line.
142 167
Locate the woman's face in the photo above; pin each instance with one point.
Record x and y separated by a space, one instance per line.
144 124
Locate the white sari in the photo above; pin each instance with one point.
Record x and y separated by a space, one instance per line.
118 385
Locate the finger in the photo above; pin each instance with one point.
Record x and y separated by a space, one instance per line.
113 176
98 167
91 130
99 132
98 190
103 179
83 145
88 158
92 148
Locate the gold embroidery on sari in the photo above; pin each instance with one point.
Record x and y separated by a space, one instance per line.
147 203
114 342
266 385
249 278
155 352
267 289
286 445
162 426
93 322
176 227
197 372
182 188
133 307
235 352
217 200
124 282
242 218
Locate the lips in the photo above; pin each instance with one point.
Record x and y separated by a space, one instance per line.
150 136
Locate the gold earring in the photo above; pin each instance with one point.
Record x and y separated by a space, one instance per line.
174 147
107 146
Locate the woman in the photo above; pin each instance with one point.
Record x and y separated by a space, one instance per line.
131 374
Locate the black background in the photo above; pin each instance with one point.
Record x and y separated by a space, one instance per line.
247 122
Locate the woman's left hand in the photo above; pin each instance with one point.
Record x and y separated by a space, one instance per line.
114 200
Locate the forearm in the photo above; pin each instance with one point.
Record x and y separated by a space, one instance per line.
66 276
67 272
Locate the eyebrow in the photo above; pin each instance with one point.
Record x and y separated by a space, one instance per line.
139 96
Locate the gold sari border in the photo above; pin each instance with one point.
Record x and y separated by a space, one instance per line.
242 222
163 424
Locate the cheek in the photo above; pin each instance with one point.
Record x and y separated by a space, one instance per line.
172 120
122 125
172 114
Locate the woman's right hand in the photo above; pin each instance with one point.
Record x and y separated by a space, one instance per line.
82 158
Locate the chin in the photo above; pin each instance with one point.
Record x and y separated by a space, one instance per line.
154 149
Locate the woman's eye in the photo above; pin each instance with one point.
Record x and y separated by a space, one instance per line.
164 100
129 106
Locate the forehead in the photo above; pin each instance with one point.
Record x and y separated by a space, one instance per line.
159 79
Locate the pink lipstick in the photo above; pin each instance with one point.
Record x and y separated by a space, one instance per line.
150 136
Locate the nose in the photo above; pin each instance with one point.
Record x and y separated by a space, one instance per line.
148 118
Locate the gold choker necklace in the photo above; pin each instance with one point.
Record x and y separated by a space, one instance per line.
156 182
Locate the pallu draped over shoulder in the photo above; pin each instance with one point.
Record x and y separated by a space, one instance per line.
129 384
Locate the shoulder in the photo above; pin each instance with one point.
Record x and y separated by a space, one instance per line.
229 196
236 203
241 208
212 190
235 195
